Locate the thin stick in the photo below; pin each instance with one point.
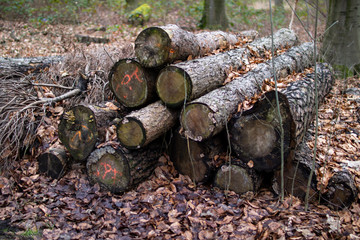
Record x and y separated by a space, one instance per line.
316 113
292 14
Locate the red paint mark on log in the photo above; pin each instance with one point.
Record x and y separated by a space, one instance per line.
127 80
108 169
78 137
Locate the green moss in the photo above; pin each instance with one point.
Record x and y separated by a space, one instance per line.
140 15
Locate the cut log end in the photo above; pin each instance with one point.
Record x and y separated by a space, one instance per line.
110 169
173 86
128 81
53 163
256 134
235 178
78 131
196 121
188 158
131 133
152 47
257 138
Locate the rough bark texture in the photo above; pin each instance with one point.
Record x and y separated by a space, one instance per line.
198 160
89 39
53 162
79 128
255 134
208 115
132 85
119 170
142 126
341 45
237 177
157 46
214 15
301 97
191 79
11 66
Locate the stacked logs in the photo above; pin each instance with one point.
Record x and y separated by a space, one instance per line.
159 94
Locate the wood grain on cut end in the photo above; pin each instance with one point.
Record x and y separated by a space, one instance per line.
235 178
257 138
78 131
130 83
53 163
110 169
152 47
173 86
197 122
131 133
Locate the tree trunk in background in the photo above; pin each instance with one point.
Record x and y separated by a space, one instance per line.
214 15
279 4
341 46
132 4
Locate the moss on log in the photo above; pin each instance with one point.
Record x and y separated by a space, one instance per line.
132 85
188 80
53 162
142 126
212 110
157 46
140 15
196 159
118 170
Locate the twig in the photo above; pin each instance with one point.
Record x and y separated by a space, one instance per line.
51 85
292 14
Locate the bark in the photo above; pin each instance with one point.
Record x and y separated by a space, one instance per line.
53 162
255 134
198 160
214 15
237 177
89 39
13 66
140 127
132 85
341 45
118 170
157 46
80 126
208 115
188 80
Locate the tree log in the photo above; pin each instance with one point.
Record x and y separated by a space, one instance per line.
196 159
237 177
89 39
296 175
11 66
53 162
191 79
132 85
208 115
79 128
142 126
118 170
255 134
341 190
157 46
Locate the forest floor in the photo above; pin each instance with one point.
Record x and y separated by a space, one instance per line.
168 205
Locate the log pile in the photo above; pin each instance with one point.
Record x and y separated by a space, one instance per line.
197 95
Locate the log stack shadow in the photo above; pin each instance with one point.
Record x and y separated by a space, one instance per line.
211 140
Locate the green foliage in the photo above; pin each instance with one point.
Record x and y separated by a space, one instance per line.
31 233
